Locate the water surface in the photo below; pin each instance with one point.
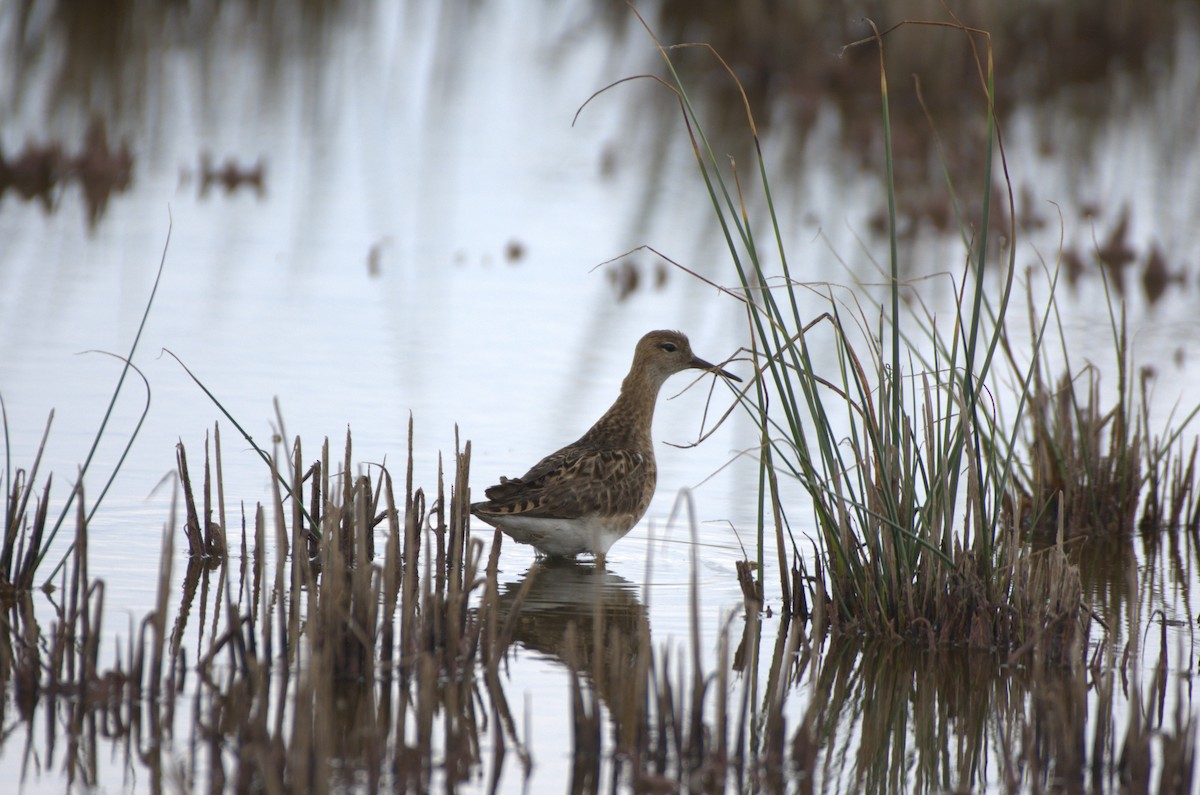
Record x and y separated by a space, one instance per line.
432 235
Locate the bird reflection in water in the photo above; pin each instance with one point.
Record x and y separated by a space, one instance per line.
591 621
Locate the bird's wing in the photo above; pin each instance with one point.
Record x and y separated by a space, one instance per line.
571 483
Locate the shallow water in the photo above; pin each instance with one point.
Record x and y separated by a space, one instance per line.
433 240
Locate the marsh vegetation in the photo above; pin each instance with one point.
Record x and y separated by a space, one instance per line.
968 563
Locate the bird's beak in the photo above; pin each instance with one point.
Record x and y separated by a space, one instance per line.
700 364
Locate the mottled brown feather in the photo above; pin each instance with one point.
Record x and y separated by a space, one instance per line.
572 481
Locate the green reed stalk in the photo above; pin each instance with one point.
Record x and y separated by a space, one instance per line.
112 402
881 460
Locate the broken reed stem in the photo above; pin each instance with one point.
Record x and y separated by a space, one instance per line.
221 523
191 527
210 542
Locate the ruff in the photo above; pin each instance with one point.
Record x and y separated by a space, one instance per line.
589 494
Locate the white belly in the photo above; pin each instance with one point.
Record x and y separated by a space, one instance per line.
566 538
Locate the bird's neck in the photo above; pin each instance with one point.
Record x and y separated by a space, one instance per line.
627 422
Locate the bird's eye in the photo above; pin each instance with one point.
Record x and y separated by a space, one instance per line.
669 347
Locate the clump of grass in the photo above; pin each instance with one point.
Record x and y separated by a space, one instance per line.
1084 463
1172 503
337 663
1085 468
23 532
896 443
27 537
912 472
384 662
